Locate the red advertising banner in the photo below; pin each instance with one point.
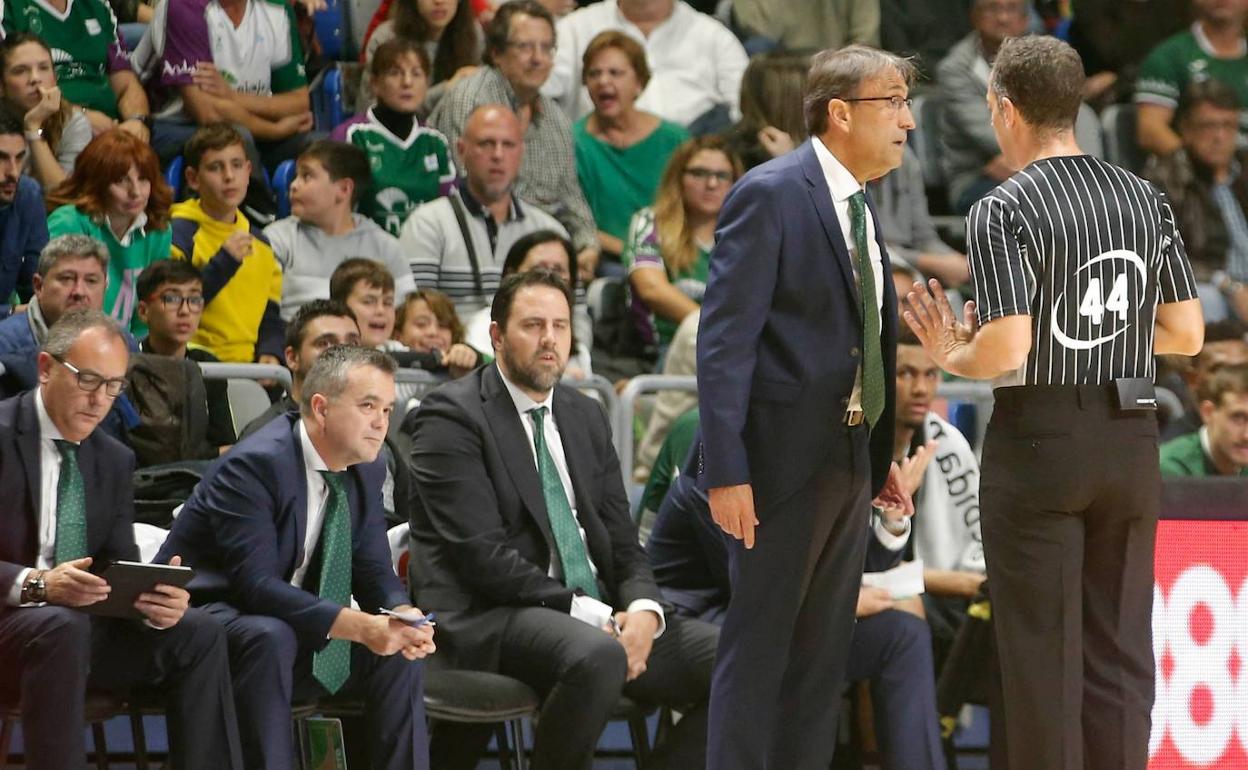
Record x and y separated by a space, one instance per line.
1200 643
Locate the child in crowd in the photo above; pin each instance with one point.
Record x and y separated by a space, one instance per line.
323 231
242 281
426 322
411 162
367 287
171 301
118 196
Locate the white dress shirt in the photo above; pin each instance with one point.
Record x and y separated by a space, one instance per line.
318 496
842 185
584 608
49 477
695 62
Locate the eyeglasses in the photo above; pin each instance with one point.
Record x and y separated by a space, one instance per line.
174 301
528 48
91 381
893 102
706 175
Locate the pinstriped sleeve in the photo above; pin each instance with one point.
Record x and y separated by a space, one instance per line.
1175 281
1003 285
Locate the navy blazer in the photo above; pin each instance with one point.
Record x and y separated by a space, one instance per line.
107 468
244 526
780 338
481 537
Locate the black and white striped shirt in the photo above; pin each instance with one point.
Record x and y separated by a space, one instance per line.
1086 249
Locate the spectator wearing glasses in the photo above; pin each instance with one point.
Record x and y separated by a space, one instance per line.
972 159
69 506
668 251
520 51
171 302
1208 190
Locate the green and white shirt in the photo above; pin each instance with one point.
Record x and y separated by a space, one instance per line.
1186 58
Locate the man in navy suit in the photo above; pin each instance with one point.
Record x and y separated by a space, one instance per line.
282 531
796 376
69 506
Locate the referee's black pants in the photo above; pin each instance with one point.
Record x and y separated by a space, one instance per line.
1070 495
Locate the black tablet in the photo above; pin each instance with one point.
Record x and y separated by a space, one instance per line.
128 579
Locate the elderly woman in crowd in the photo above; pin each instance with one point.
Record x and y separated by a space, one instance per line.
620 150
669 246
117 195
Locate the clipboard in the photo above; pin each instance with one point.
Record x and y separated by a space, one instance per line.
128 579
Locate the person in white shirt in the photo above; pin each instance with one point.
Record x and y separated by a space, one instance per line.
696 63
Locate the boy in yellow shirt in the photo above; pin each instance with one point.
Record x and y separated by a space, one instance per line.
242 279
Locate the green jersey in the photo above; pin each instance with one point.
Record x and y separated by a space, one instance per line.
642 252
84 46
406 172
1188 58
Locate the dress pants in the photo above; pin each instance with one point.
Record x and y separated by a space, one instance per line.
893 649
270 669
579 673
1070 497
49 655
782 654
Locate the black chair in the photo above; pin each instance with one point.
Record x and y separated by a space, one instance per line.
481 697
99 708
149 703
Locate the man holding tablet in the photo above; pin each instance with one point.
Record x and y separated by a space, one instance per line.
69 509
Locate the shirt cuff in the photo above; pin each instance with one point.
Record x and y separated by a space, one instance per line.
589 610
888 539
14 598
650 605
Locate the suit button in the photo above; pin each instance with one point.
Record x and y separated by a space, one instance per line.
853 352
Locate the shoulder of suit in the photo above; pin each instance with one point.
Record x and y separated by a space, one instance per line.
112 451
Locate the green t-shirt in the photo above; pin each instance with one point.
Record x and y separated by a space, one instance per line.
619 181
1187 58
671 458
406 172
641 252
1185 456
142 247
84 47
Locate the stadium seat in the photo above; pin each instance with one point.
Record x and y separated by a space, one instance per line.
99 709
332 32
925 138
327 110
282 178
174 174
1121 146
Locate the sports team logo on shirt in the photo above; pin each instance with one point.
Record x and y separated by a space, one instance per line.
1104 302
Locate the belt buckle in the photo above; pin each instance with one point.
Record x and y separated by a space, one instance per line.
853 417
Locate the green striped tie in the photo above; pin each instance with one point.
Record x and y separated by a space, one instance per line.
572 555
872 358
332 665
71 506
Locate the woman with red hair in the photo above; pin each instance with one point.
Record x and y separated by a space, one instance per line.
117 195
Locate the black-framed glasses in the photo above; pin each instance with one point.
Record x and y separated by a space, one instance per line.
528 48
174 301
893 102
706 175
92 381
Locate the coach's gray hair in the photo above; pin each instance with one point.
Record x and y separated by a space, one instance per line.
330 372
71 247
837 74
69 327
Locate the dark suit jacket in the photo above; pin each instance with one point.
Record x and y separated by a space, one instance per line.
780 338
243 531
481 538
107 469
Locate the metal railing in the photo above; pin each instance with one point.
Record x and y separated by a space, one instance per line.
247 372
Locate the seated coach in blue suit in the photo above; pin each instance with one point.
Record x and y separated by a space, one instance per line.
283 531
69 508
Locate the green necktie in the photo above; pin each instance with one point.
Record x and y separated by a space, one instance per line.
332 664
872 358
572 555
71 506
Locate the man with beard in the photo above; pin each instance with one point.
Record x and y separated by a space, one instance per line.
23 220
523 544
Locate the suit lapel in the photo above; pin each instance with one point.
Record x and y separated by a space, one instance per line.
821 198
513 445
301 500
30 451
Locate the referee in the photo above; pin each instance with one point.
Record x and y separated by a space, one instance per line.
1080 279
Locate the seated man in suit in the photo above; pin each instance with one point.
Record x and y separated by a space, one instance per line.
284 530
523 544
69 506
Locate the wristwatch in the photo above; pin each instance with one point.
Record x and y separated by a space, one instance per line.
34 134
34 590
146 120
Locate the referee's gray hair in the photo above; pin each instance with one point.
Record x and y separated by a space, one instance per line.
74 246
330 372
837 74
69 327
